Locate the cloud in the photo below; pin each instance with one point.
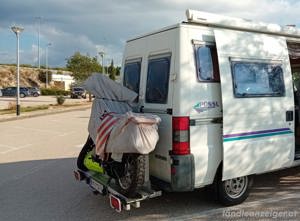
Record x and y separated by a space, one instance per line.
87 25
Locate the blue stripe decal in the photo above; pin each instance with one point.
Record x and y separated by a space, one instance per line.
256 136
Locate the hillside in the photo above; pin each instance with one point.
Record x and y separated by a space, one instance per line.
28 76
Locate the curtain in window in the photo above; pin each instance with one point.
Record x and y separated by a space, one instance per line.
294 50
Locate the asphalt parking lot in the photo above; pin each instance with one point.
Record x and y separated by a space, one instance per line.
36 101
36 182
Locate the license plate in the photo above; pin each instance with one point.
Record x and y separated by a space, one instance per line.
97 186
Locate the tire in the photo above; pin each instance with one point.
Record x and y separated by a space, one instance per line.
22 95
234 191
134 174
35 94
88 146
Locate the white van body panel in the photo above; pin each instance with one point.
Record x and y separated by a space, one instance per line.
246 148
214 132
158 45
190 97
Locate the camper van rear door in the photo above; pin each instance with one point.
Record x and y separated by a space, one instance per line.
257 92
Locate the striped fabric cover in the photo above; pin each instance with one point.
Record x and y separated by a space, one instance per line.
109 120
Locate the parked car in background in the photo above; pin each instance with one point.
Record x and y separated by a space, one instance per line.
12 91
78 92
34 91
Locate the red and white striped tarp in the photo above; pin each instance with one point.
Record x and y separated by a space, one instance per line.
108 122
126 133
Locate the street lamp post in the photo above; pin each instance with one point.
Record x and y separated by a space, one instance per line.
102 57
17 31
39 30
48 45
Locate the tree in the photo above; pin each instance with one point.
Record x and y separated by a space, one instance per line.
112 71
118 71
42 76
82 66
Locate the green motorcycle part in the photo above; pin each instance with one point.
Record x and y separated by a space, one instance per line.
92 165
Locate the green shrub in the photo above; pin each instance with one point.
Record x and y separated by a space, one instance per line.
60 100
54 91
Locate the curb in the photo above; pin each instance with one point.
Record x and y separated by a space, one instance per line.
44 113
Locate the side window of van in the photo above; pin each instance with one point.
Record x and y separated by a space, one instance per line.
253 79
132 72
158 80
207 63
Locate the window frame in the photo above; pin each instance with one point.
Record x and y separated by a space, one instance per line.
132 61
215 61
234 61
152 58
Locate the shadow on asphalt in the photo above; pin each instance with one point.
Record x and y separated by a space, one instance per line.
279 182
47 190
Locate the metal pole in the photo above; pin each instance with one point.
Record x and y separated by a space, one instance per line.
102 65
39 44
39 30
47 66
47 49
18 76
17 31
104 68
102 57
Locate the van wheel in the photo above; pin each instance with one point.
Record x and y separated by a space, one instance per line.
22 95
234 191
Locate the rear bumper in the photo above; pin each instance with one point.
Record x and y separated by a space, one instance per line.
182 175
78 94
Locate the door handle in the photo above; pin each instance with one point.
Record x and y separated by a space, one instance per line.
289 116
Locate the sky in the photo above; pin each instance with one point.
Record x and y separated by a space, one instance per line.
91 26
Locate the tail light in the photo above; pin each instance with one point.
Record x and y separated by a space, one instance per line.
181 135
115 203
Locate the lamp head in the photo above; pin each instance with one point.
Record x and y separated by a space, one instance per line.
101 53
17 30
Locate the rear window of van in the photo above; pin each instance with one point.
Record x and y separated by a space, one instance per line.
132 74
158 80
207 63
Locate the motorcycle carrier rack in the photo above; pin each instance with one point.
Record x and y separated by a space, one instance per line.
105 185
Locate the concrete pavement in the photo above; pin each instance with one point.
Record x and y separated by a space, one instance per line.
79 104
38 155
38 113
36 101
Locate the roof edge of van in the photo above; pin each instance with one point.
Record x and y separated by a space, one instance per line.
227 22
155 32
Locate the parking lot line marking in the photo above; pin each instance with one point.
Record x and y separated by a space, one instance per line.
5 145
36 130
12 148
79 146
66 134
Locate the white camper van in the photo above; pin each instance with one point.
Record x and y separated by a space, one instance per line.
226 91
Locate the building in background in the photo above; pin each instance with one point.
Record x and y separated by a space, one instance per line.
63 81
